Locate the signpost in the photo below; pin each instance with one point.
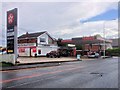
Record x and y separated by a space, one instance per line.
12 32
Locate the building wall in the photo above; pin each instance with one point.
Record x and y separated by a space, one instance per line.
45 49
43 36
97 47
24 51
48 40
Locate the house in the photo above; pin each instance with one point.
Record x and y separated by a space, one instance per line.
115 42
39 44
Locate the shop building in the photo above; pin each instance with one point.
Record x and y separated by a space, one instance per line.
68 47
93 43
36 44
115 42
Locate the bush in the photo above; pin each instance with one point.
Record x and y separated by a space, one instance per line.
79 47
113 52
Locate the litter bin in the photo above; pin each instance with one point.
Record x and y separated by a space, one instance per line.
78 56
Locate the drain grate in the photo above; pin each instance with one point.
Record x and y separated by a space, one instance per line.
94 73
97 73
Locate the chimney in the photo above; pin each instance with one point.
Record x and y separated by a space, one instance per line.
26 33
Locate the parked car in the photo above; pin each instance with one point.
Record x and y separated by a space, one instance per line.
64 54
93 55
3 52
0 53
53 54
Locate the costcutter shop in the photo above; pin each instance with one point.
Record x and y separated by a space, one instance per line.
36 44
93 43
68 48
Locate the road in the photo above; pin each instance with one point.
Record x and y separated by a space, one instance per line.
102 73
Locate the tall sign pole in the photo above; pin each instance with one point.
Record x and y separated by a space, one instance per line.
12 32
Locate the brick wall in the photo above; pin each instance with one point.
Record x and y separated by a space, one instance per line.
92 47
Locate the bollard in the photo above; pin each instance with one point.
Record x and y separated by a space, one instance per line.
78 56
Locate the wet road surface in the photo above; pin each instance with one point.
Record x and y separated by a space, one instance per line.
80 74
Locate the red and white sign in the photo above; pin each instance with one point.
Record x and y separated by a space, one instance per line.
21 50
88 38
34 50
10 18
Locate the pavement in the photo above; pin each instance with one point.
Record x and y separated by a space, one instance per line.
102 73
28 60
31 62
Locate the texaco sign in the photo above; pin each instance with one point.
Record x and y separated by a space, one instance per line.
10 18
12 31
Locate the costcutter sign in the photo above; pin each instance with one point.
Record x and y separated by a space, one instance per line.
12 31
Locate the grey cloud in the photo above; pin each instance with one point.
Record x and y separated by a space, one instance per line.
55 17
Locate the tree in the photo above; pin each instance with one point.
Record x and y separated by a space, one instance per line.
59 41
79 47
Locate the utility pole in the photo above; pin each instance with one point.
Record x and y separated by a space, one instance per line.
104 39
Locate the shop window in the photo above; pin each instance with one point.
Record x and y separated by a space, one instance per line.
42 40
39 51
52 42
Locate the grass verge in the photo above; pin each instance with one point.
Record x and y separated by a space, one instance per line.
5 64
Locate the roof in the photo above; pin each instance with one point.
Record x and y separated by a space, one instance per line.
31 35
67 41
90 40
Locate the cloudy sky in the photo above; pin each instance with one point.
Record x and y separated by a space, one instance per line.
64 19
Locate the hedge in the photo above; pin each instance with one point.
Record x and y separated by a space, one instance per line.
113 52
